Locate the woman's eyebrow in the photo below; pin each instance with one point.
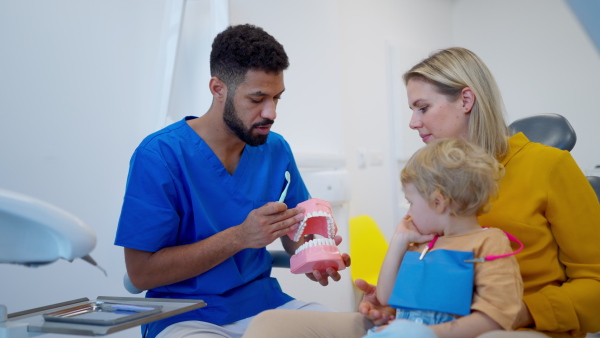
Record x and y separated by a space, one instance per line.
415 103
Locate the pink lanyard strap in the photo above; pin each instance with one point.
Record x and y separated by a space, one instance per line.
480 259
492 257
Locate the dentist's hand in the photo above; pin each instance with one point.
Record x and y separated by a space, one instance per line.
323 276
264 225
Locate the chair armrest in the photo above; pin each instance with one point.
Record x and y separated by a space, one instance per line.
128 286
595 182
281 259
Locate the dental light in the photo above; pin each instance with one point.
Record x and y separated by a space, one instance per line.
33 232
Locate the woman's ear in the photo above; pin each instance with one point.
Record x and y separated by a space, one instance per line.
468 99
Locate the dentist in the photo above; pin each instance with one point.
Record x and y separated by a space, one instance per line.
199 204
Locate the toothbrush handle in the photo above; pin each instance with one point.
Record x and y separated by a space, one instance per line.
283 194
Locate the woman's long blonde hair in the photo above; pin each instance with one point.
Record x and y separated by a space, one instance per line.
449 71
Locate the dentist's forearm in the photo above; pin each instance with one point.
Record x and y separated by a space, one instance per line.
170 265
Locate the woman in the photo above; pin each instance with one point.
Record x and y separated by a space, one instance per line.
544 200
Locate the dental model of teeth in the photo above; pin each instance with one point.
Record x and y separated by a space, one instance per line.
321 221
321 252
315 242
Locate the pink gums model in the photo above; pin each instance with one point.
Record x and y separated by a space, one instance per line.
319 253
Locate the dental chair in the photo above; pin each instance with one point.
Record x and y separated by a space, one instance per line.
550 129
281 259
595 182
368 246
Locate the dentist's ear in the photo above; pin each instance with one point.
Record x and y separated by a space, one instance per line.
218 89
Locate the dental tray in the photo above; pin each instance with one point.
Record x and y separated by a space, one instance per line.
101 313
52 318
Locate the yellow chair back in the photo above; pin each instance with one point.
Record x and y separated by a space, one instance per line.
368 246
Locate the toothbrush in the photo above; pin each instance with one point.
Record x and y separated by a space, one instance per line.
284 193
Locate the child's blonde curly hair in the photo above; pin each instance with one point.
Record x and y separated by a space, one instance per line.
464 173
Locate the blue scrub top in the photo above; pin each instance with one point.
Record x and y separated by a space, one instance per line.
178 192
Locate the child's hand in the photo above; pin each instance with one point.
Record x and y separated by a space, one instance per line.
407 231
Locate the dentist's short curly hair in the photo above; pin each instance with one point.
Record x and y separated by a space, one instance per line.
241 48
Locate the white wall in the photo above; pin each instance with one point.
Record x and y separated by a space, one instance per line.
309 113
381 39
543 61
201 21
78 93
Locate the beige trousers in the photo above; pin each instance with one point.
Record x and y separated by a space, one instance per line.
310 324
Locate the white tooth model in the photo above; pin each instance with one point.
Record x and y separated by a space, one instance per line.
318 253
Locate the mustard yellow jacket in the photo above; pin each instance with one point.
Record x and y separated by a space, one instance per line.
546 201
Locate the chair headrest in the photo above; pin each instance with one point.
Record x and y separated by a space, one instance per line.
550 129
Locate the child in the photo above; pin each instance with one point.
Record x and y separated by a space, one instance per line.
448 183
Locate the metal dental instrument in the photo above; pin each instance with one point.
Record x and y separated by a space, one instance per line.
90 260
